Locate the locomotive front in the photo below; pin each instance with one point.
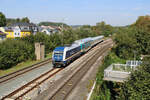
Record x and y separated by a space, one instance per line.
58 56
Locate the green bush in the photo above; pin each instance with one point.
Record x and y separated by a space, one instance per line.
13 52
50 41
132 41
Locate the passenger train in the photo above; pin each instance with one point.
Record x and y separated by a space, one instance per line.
64 55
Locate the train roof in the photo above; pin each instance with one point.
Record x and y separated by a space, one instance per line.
82 40
77 43
97 37
87 39
61 48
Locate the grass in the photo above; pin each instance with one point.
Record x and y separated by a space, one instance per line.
48 55
122 68
22 65
89 86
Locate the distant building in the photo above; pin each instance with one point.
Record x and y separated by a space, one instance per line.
2 29
20 30
49 29
2 36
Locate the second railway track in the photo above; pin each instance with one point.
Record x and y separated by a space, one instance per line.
20 92
24 70
63 92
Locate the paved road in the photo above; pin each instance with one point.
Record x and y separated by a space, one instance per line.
13 84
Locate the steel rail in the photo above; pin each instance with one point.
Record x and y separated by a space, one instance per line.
31 82
74 83
24 70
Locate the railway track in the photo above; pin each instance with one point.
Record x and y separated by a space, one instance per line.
20 92
23 90
24 70
63 92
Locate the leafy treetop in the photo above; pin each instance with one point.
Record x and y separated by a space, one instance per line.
2 19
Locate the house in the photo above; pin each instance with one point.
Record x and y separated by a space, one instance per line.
2 29
20 30
49 29
2 36
9 32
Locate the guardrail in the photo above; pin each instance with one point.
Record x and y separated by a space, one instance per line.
111 72
120 72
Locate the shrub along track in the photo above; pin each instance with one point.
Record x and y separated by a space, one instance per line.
17 94
24 70
63 92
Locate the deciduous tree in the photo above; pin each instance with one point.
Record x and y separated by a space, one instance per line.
2 19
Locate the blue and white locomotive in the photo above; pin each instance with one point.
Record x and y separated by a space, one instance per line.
66 54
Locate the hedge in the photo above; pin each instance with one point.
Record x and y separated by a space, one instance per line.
13 52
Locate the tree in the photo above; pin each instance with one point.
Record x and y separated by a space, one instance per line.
13 52
18 20
2 19
9 21
143 21
138 85
127 43
25 20
53 24
101 24
103 29
142 37
69 36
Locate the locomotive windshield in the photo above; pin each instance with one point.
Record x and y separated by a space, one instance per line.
58 53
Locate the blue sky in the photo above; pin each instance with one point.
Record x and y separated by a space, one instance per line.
77 12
